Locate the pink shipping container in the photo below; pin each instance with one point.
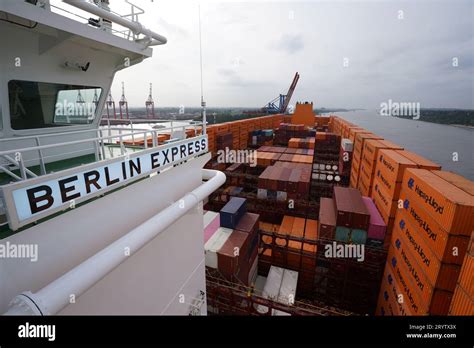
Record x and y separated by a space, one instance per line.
377 227
212 222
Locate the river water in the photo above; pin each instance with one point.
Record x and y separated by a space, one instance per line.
437 142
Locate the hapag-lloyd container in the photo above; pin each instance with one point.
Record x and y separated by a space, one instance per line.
371 149
389 295
457 180
377 227
438 240
450 206
433 300
360 139
466 278
386 206
392 164
410 295
419 160
462 303
440 275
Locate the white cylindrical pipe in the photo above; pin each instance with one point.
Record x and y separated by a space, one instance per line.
56 295
136 27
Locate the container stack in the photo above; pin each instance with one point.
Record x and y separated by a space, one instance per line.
292 244
390 165
368 162
429 241
286 131
224 141
232 247
352 216
261 137
326 147
359 141
280 286
463 298
301 143
284 181
345 160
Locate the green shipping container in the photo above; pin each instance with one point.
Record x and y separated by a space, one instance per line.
359 236
343 234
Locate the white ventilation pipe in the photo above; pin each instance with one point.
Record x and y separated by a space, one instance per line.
135 27
56 295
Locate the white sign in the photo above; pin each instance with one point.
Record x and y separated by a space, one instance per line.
30 200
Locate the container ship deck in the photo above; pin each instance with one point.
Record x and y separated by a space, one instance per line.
321 217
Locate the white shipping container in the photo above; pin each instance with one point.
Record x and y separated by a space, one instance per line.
271 289
288 287
281 196
347 145
261 193
214 244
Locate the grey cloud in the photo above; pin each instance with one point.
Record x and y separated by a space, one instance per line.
289 43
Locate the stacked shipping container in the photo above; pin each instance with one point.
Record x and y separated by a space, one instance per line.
429 240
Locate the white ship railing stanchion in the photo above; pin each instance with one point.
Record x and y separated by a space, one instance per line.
55 296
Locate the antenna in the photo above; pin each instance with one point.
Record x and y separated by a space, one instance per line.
150 104
123 104
203 103
80 98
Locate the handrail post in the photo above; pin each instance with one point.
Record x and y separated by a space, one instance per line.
41 159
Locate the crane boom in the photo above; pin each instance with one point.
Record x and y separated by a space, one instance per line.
290 93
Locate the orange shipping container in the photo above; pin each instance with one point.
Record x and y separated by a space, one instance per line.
297 230
447 247
371 149
392 164
310 233
440 275
285 229
389 297
461 304
360 139
419 160
383 201
411 297
354 179
457 180
466 278
451 207
419 281
354 131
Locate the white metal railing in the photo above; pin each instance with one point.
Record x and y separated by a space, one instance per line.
129 25
14 158
55 296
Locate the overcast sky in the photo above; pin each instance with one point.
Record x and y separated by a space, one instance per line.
399 50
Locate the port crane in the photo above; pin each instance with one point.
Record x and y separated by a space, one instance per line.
283 100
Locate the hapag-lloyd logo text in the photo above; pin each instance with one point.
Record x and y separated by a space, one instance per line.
388 165
423 224
426 197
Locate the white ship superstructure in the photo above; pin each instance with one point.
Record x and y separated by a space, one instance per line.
112 236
